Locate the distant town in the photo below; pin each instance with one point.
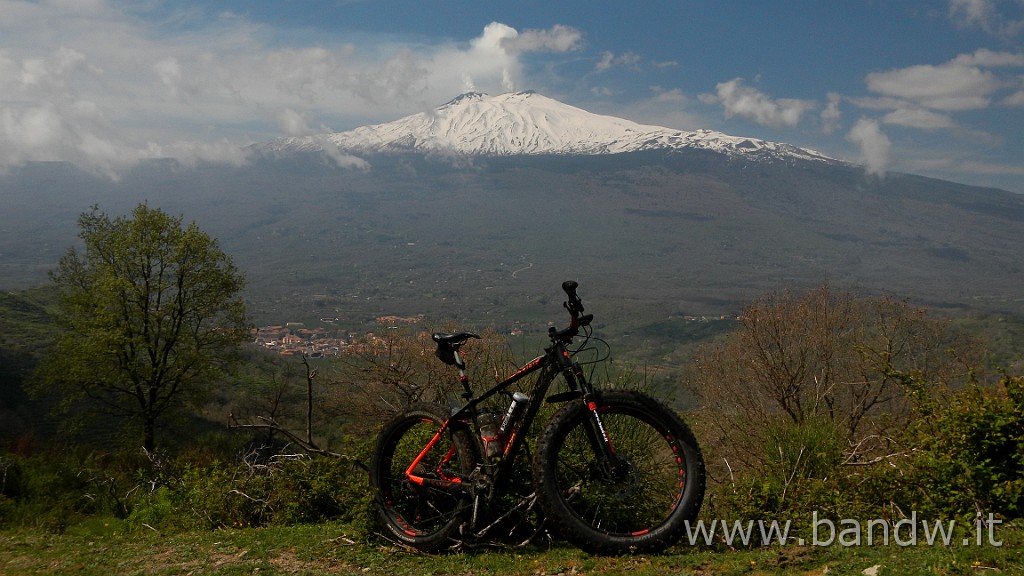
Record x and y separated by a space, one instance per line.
295 339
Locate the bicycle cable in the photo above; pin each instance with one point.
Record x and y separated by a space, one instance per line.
600 353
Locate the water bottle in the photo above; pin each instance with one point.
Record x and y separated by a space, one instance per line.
515 410
488 423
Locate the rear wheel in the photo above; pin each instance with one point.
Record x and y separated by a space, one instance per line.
640 500
420 515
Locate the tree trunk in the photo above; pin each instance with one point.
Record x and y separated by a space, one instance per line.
149 434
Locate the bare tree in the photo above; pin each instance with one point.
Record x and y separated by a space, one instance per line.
385 372
273 424
822 358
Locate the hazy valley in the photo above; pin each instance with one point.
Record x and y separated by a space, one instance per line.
649 235
477 211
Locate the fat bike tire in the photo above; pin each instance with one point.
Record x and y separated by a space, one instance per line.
420 516
638 503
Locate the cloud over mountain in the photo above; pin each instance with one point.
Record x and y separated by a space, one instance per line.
105 88
106 84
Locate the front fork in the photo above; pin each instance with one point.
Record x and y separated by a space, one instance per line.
597 435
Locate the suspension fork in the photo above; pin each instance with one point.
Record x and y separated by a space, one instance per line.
593 426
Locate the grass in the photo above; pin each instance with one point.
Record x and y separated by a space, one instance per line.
102 546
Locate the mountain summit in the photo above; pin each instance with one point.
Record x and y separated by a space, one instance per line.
527 123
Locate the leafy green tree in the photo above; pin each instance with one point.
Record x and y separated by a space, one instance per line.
149 314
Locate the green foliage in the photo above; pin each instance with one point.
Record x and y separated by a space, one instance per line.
799 473
809 449
182 494
968 455
25 324
821 355
149 312
841 404
52 491
962 457
26 335
954 454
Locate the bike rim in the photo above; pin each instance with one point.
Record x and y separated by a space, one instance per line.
415 509
649 477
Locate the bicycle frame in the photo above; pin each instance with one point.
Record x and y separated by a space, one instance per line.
556 360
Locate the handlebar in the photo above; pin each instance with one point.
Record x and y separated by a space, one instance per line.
575 306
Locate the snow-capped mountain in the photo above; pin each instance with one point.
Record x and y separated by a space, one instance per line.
527 123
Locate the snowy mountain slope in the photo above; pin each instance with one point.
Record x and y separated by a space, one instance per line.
527 123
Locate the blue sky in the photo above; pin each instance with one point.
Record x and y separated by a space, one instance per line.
932 87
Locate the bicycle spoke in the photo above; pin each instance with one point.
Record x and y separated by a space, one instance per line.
417 514
636 500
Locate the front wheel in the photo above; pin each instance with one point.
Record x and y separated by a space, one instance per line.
638 501
420 515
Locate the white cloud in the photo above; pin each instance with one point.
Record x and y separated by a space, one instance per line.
91 83
668 95
746 102
605 62
293 123
918 118
493 61
971 12
609 60
191 152
558 38
1015 99
988 15
873 143
989 59
947 87
926 96
831 115
341 158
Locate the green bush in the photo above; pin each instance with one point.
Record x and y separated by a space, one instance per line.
968 453
809 449
962 456
800 473
254 491
51 491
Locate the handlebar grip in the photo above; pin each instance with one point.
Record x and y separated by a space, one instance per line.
574 305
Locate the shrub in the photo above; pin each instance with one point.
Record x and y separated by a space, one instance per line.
961 457
254 491
799 472
51 491
968 453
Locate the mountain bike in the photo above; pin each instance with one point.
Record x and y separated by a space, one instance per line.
612 471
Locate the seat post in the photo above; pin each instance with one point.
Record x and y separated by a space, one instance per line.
463 375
